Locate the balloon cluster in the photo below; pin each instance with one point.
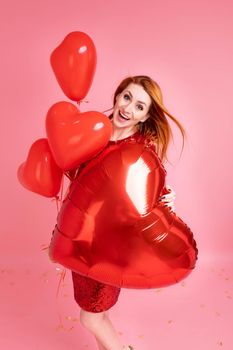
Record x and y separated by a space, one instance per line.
72 137
111 226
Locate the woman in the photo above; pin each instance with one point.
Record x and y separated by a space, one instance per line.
138 115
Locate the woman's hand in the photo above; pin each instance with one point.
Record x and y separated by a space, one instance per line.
168 198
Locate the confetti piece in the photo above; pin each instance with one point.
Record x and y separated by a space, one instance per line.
158 290
59 327
141 336
169 321
68 317
44 274
183 284
44 246
220 343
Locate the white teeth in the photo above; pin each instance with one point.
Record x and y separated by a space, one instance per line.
124 116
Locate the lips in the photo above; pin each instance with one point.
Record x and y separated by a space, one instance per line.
121 116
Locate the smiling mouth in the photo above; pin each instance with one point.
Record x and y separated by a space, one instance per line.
122 116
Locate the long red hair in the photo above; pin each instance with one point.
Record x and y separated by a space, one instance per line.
156 127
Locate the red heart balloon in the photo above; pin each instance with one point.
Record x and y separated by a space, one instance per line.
74 64
40 173
111 226
75 137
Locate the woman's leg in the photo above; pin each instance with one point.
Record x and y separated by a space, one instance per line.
97 298
100 346
100 325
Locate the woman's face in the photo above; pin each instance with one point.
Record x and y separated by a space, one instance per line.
132 106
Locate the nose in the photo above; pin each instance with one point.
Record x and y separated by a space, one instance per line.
128 108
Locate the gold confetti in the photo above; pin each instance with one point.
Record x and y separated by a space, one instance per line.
59 327
158 290
44 246
141 336
68 318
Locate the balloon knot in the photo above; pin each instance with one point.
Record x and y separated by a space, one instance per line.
81 101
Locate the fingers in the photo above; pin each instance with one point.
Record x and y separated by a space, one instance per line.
172 192
168 199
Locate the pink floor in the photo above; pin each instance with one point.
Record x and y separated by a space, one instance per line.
195 314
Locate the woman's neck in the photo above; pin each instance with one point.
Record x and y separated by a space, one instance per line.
118 134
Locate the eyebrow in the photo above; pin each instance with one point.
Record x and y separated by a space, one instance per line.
132 96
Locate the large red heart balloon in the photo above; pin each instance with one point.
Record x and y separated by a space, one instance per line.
75 137
74 64
111 226
39 173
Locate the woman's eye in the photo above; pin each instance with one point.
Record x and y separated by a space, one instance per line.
141 108
126 96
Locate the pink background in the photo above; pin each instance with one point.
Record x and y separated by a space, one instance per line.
187 48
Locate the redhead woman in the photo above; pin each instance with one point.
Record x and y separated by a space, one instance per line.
103 246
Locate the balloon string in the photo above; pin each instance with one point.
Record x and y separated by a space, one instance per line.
61 193
81 101
62 278
58 198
